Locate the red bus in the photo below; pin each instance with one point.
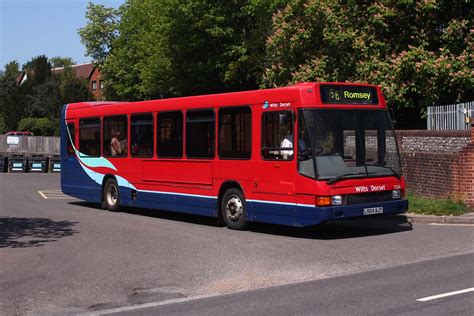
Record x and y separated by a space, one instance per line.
298 155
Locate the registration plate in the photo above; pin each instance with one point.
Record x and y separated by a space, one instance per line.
373 210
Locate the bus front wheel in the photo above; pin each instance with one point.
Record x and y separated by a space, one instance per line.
111 198
234 210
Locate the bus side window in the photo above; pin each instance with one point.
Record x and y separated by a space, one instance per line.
170 134
200 133
235 133
115 136
89 137
141 135
70 139
277 135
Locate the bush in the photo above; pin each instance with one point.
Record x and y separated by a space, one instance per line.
40 126
43 127
26 124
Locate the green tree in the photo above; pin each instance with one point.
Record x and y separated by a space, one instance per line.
44 99
26 124
420 52
73 89
171 47
40 91
70 89
38 69
43 127
255 28
11 107
61 62
176 47
12 69
42 95
3 125
11 110
98 35
39 126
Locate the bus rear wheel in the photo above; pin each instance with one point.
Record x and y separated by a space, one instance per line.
234 210
111 198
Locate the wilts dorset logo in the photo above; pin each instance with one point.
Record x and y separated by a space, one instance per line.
369 188
267 105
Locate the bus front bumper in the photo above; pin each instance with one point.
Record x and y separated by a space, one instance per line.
314 215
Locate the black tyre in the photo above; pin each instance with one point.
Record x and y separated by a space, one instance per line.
234 209
111 198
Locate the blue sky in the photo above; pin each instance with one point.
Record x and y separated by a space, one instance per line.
29 28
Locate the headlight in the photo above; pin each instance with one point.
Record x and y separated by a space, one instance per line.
396 194
336 200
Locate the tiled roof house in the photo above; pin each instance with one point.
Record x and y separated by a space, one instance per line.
91 73
87 71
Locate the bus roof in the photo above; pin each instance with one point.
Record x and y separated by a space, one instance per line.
300 94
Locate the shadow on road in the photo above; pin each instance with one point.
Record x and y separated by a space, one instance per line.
32 232
343 229
155 213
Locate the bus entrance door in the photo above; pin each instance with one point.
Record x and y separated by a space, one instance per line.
69 162
274 198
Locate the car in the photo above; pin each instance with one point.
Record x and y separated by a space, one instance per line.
19 133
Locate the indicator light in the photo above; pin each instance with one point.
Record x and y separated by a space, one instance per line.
323 201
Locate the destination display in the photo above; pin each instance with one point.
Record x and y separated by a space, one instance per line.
336 94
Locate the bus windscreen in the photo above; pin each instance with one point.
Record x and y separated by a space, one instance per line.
339 94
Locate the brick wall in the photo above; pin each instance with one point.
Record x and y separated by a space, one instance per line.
439 163
95 77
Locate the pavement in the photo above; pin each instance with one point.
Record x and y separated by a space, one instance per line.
467 218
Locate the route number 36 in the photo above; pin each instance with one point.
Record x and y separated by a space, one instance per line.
334 95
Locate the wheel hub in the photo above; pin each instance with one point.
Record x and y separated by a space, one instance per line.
234 208
112 195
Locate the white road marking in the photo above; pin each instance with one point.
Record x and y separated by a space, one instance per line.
42 194
54 195
147 305
451 224
434 297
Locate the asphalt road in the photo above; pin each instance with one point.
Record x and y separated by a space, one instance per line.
403 290
62 256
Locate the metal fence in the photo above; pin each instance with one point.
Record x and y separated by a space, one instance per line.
450 117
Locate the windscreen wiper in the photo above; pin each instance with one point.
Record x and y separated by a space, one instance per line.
391 169
345 175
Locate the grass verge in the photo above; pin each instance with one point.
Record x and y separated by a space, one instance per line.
427 206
